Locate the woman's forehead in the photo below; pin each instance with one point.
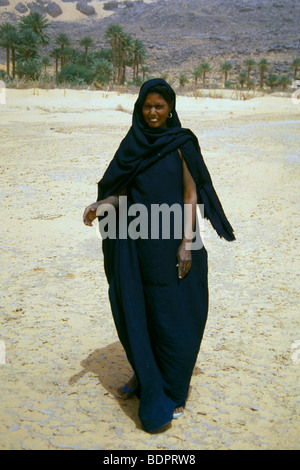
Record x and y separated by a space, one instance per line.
153 96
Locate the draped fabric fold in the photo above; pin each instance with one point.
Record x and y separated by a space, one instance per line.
141 147
160 320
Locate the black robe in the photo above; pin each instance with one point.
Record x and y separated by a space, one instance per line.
160 319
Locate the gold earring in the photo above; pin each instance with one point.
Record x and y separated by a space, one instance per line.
170 115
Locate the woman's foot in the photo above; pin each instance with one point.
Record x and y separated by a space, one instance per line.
178 412
127 390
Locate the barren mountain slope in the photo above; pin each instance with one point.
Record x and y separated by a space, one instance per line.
180 33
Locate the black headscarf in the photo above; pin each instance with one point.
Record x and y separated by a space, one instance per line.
142 146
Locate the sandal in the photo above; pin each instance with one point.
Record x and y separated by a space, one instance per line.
178 413
128 391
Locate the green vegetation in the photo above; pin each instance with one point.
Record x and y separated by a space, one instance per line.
65 64
121 62
250 63
183 79
197 73
226 67
205 67
87 43
296 66
263 66
243 79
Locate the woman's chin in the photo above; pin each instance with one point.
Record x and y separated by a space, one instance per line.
156 125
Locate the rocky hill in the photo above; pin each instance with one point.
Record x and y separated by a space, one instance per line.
179 34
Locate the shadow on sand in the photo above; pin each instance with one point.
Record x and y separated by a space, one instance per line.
111 367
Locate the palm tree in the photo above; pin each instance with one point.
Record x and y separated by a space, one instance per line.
55 53
28 45
86 42
263 66
68 55
295 66
250 63
10 38
182 79
205 68
46 62
125 55
63 41
102 53
103 71
36 23
144 70
139 56
113 33
5 30
272 80
197 74
226 67
242 78
251 84
14 41
284 81
30 68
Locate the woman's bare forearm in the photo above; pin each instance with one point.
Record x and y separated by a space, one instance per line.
111 202
98 208
184 255
190 213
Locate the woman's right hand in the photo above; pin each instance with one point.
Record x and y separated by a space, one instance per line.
89 214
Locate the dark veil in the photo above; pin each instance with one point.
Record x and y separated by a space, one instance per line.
142 146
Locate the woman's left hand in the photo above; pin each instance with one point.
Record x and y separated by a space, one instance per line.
89 214
184 259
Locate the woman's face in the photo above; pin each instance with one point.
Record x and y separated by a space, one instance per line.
155 111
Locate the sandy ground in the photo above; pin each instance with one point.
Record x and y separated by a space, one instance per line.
60 359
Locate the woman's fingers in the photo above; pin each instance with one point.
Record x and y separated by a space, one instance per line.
85 217
183 268
184 259
89 215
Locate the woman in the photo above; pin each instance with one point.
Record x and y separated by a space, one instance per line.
158 285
